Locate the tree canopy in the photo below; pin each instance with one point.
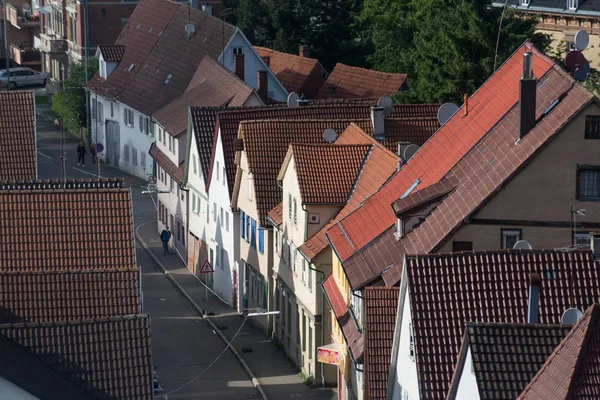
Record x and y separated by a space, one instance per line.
69 103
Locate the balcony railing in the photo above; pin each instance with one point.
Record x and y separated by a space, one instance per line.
25 55
52 44
22 18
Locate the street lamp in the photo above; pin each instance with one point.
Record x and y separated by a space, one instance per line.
5 44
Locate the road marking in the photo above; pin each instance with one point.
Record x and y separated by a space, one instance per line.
85 172
44 155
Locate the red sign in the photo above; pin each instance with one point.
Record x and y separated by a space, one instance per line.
329 354
206 268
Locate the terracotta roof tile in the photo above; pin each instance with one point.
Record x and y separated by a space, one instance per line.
381 307
68 295
297 74
488 105
264 162
112 52
86 226
354 82
174 171
334 296
212 85
571 372
327 174
497 283
204 124
17 136
276 214
506 356
378 168
152 35
229 122
108 358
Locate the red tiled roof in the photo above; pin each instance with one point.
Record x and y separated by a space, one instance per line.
381 307
86 226
443 289
17 136
276 214
571 372
109 358
264 162
327 174
212 85
354 338
378 168
506 356
152 36
229 121
421 197
174 171
112 52
353 82
204 124
336 300
68 295
297 74
488 105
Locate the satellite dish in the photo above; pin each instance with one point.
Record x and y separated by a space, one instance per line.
190 29
582 72
522 245
329 135
292 100
387 103
571 316
574 59
409 151
445 112
582 39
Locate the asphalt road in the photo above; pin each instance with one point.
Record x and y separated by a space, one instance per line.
183 344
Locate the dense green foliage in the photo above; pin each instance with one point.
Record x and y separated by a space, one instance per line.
69 103
447 47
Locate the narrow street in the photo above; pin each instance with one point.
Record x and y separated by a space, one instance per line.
183 343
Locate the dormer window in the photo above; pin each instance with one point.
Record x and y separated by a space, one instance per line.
525 3
572 4
102 65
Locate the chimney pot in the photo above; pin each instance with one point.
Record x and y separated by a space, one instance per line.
378 121
304 51
527 96
535 283
239 66
263 85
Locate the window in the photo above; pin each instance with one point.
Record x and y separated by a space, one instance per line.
572 4
276 241
207 212
525 3
193 202
112 109
141 121
218 169
248 228
462 246
295 251
94 108
217 256
160 133
100 111
170 143
193 162
581 239
261 241
588 183
253 232
236 50
199 203
172 184
303 277
224 176
295 213
223 258
290 206
227 221
214 212
592 127
222 215
126 153
143 159
510 237
250 182
124 22
134 156
128 117
411 344
243 225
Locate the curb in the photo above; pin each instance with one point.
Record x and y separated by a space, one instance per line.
199 310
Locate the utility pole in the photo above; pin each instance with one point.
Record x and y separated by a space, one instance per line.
86 40
6 56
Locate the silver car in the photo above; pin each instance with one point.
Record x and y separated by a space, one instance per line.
22 77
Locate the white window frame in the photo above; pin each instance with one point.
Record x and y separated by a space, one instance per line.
250 182
573 4
525 3
195 165
227 221
218 171
506 233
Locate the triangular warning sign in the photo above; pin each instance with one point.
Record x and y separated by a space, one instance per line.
206 268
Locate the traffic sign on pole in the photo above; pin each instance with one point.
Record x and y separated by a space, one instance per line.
99 148
206 268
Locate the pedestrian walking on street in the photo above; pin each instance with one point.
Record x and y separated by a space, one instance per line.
165 236
93 153
81 152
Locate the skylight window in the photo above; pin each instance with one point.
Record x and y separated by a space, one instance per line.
130 67
168 78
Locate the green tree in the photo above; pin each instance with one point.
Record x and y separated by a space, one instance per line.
447 48
69 103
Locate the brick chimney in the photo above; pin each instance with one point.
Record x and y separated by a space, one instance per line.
527 94
263 85
267 60
239 66
304 51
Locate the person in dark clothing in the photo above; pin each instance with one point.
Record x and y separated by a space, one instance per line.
81 152
165 236
93 153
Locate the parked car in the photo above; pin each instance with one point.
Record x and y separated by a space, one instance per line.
22 77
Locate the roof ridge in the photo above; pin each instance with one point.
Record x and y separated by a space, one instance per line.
496 251
70 184
367 69
287 54
514 324
358 174
74 322
68 271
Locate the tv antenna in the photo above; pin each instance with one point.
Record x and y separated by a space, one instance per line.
329 135
292 100
387 103
445 112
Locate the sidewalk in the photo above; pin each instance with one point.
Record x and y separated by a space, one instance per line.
274 374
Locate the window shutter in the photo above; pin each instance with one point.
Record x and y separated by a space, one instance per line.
243 224
253 231
261 240
125 115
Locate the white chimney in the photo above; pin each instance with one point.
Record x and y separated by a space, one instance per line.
378 121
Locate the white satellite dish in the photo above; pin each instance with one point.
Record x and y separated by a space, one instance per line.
409 151
190 29
329 135
582 39
446 112
387 103
522 245
571 316
292 100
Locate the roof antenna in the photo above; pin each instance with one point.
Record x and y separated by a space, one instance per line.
499 31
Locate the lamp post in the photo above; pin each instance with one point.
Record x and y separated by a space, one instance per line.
5 44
